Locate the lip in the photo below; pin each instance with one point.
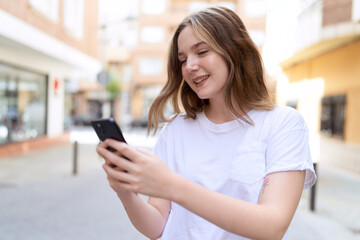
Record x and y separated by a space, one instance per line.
200 84
199 77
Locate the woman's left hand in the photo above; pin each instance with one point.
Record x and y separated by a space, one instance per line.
144 172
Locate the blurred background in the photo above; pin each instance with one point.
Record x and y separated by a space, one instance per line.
66 62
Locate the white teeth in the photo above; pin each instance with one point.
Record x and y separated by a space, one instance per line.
201 79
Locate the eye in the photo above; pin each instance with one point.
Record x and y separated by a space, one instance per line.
182 62
202 52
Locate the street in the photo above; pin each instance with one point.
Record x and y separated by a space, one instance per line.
68 207
40 198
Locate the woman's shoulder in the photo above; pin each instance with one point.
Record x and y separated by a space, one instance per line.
176 120
179 119
285 117
280 118
285 111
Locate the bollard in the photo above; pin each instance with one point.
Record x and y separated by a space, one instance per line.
313 192
75 157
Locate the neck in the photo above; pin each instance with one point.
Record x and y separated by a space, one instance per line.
217 112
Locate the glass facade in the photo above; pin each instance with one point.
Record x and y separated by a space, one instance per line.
68 105
22 104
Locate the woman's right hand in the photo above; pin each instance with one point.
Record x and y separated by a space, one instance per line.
112 182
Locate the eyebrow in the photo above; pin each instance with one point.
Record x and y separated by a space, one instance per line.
196 45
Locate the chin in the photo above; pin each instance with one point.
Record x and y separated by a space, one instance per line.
203 97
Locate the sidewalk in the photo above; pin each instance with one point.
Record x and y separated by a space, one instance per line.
41 199
337 209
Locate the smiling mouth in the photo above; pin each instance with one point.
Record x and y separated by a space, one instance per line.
198 81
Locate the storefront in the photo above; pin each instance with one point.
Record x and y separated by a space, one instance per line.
39 73
22 104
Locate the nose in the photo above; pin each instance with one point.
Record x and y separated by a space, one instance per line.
192 64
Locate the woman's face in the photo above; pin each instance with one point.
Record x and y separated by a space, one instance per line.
204 70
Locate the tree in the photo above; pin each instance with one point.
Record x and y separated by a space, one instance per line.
114 85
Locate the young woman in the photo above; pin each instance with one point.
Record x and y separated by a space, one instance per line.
232 165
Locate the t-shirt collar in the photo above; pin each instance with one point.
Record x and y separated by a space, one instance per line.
224 127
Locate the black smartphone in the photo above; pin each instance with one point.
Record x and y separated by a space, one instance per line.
108 128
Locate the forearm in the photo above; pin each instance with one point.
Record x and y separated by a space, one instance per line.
146 218
243 218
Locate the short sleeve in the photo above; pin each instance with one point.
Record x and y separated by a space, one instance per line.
288 147
160 145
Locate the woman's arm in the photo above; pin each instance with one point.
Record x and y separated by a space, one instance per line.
269 219
148 217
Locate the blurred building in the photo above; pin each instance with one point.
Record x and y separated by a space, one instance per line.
156 21
317 45
48 64
118 21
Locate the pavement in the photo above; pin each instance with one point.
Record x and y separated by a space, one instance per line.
41 198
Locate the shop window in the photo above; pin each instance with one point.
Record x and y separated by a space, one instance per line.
22 104
68 104
333 115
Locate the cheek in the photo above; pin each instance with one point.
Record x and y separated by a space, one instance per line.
183 73
188 82
223 68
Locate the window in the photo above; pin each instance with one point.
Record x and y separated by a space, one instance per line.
153 7
356 11
152 34
149 95
150 66
258 37
199 5
255 8
229 5
48 8
22 104
68 104
333 115
292 103
74 17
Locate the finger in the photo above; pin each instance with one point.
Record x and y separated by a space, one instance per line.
123 148
121 185
107 162
115 184
118 161
100 149
118 175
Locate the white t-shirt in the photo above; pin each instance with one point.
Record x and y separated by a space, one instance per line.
232 158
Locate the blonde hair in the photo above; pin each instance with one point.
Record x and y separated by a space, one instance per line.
224 32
